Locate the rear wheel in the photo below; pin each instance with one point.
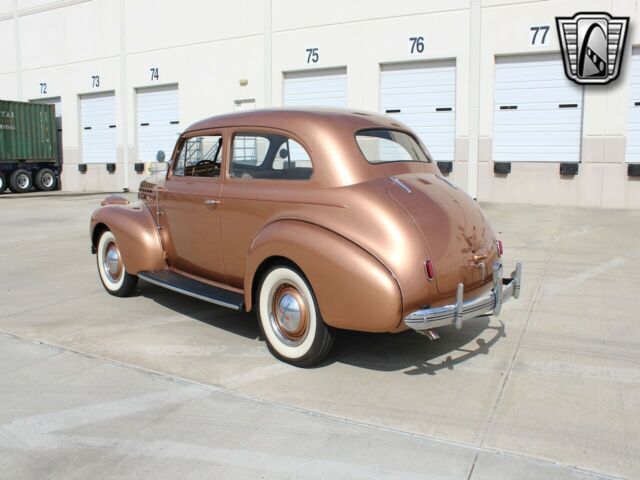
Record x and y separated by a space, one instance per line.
20 181
290 320
114 276
45 180
3 182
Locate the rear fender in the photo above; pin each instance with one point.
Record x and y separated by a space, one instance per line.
135 231
354 290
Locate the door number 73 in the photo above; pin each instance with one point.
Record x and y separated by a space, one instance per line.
538 35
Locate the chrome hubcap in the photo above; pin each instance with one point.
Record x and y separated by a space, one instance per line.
47 180
22 181
289 314
112 263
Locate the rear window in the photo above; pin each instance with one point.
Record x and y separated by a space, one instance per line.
382 146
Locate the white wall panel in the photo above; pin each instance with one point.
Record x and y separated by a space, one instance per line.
7 47
6 7
78 32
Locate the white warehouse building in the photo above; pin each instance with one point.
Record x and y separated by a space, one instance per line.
481 81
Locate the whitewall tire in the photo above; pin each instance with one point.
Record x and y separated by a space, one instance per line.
289 318
113 274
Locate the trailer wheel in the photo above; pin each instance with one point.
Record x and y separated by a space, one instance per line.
45 180
20 181
3 182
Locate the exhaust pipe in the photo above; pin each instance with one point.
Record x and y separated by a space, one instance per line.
431 334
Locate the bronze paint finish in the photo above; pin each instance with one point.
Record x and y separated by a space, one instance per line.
360 239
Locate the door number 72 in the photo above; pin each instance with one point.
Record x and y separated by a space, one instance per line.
538 35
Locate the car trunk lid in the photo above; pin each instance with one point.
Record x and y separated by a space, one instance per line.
458 236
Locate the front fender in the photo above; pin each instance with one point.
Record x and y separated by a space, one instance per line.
136 233
354 290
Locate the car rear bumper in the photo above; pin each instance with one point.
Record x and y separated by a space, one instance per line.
462 310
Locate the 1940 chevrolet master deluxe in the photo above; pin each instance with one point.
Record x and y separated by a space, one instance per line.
322 220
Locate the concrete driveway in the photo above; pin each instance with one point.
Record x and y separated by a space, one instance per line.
159 385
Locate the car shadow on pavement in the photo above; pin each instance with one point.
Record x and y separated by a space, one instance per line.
239 323
407 351
415 353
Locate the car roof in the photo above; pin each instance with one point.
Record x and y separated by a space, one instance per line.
293 119
328 136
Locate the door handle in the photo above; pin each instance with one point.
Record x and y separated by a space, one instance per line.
212 202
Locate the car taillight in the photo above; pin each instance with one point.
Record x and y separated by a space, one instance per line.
429 270
500 249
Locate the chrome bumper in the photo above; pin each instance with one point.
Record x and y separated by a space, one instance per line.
455 314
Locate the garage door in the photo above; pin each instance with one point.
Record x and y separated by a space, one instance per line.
158 122
633 133
537 111
326 88
423 96
98 122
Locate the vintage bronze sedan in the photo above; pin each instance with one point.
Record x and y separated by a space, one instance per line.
321 220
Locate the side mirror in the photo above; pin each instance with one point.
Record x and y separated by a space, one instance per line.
160 156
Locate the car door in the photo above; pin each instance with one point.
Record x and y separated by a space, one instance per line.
191 207
268 172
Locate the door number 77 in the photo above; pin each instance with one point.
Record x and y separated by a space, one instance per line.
538 35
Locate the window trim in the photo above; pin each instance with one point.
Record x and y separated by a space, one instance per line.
181 143
232 132
408 133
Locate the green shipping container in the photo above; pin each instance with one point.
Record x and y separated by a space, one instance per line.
27 133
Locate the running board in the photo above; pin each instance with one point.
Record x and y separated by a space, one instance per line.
181 284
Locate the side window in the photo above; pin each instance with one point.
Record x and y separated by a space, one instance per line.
199 157
269 156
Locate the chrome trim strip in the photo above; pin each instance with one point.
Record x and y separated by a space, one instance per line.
462 310
399 182
189 293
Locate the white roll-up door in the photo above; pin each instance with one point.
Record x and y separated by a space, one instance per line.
98 123
423 96
325 88
158 121
537 111
633 126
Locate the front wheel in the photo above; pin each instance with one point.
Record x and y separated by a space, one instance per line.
290 320
114 276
